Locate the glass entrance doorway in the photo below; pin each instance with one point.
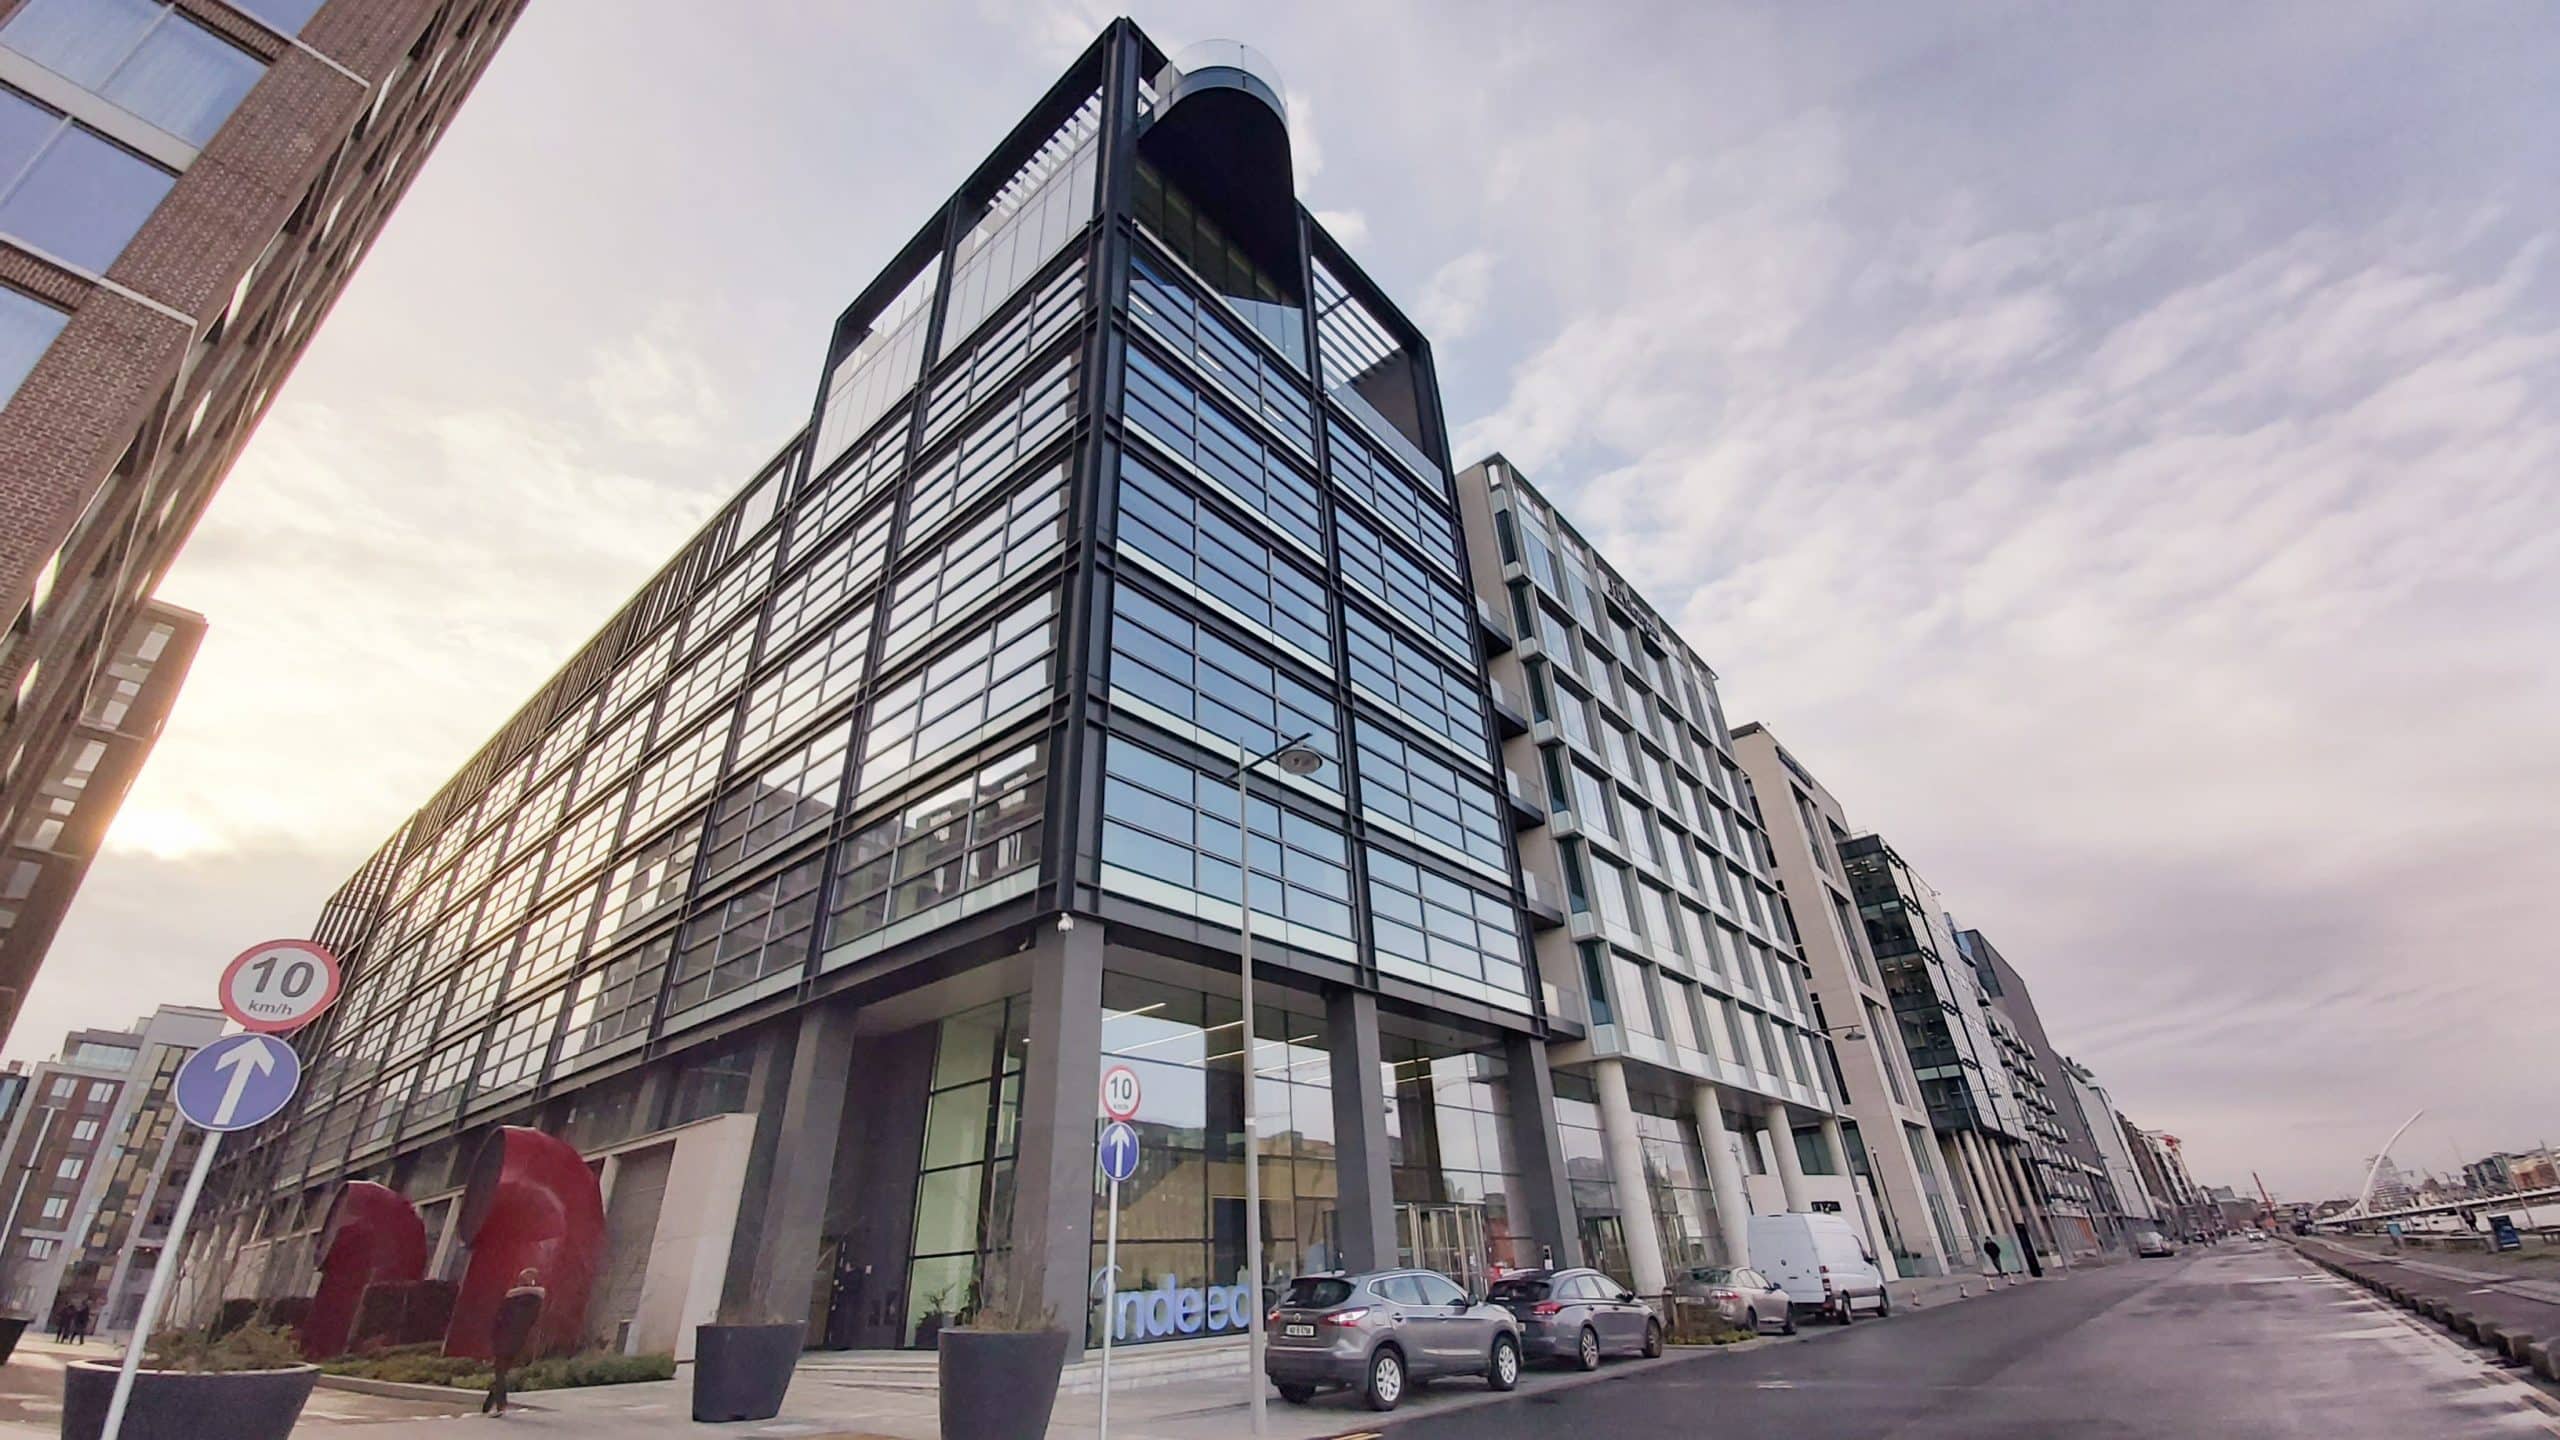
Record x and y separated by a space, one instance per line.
1446 1238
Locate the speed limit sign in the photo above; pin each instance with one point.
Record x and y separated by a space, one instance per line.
280 985
1120 1092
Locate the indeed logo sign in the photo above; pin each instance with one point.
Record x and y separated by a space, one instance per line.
1168 1311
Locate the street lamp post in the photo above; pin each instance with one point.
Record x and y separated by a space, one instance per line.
1295 758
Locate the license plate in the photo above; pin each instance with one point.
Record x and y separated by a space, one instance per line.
1299 1332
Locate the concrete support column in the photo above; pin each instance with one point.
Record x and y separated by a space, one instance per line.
1364 1207
1837 1147
1545 1207
1781 1131
1053 1173
1973 1210
768 1083
1724 1174
2022 1175
1625 1150
793 1201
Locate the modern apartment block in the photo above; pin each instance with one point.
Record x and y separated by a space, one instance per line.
185 186
95 1158
1947 1030
63 823
811 897
1887 1126
1675 951
2068 1173
2122 1194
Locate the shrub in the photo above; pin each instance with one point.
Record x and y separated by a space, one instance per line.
425 1365
251 1347
595 1368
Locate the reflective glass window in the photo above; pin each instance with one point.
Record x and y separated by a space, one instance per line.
792 793
67 190
944 582
989 451
1404 677
147 58
27 326
1169 823
1171 411
763 930
809 596
983 679
618 998
1415 786
1415 595
1200 332
1445 932
992 362
1191 540
1189 671
824 672
980 827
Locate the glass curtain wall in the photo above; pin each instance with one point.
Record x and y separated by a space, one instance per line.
964 1195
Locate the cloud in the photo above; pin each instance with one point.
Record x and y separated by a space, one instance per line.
1348 226
1453 300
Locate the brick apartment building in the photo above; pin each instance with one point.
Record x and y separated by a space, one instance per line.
184 189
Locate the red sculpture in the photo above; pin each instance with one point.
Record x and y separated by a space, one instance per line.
532 1204
374 1234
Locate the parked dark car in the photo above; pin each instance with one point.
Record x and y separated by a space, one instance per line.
1577 1316
1375 1333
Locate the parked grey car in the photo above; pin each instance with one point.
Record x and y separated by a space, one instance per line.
1378 1332
2151 1244
1747 1299
1577 1316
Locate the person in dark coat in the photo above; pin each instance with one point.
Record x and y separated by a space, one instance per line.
62 1319
511 1335
82 1318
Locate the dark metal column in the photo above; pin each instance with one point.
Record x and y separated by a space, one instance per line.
1053 1170
794 1198
1366 1203
1546 1187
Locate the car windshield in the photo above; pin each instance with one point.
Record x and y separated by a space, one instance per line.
1316 1292
1529 1289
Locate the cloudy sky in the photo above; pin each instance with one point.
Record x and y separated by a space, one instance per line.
2117 447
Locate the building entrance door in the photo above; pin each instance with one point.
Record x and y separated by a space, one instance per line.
1446 1238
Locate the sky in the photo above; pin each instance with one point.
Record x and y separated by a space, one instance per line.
2116 447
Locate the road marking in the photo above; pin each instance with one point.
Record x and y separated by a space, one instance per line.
1776 1385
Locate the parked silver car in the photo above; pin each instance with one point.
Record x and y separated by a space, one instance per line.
1377 1332
1747 1299
1577 1316
2152 1245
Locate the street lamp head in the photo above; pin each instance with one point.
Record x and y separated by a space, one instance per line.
1300 760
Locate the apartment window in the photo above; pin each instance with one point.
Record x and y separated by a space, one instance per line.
1414 785
56 1206
1200 547
1193 674
616 999
27 326
1403 677
70 1168
142 55
761 931
84 1130
651 877
518 1045
821 674
1402 584
1170 824
1174 414
1680 1014
1011 432
977 682
63 1085
40 1248
981 827
794 792
101 1091
827 504
1445 933
1635 997
67 190
845 567
938 585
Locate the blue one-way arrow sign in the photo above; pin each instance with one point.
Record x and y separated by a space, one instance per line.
238 1081
1119 1151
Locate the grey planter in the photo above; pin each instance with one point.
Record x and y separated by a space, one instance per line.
178 1405
1000 1384
11 1328
741 1372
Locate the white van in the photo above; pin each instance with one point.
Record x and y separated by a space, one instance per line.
1822 1262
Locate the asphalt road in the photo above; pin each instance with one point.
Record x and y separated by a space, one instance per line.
2238 1343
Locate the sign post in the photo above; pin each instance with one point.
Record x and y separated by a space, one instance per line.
232 1084
1118 1149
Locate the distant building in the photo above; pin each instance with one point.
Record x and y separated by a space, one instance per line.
2121 1193
2064 1164
95 1157
2498 1173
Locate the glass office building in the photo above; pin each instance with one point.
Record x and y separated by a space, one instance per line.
810 898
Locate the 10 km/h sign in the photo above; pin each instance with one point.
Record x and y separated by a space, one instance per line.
279 986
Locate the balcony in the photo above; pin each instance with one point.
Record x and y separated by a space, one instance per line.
1496 629
1528 809
1544 912
1508 711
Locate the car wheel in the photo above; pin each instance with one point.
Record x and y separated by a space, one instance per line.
1848 1311
1297 1394
1653 1339
1386 1380
1587 1350
1504 1372
1751 1321
1884 1303
1789 1328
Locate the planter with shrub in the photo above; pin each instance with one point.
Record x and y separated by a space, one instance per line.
1000 1364
11 1328
427 1364
742 1367
249 1384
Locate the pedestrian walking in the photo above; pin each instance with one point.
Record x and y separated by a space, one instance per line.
511 1335
82 1317
61 1320
1991 1248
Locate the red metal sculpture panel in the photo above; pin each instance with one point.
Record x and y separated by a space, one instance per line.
373 1235
532 1204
